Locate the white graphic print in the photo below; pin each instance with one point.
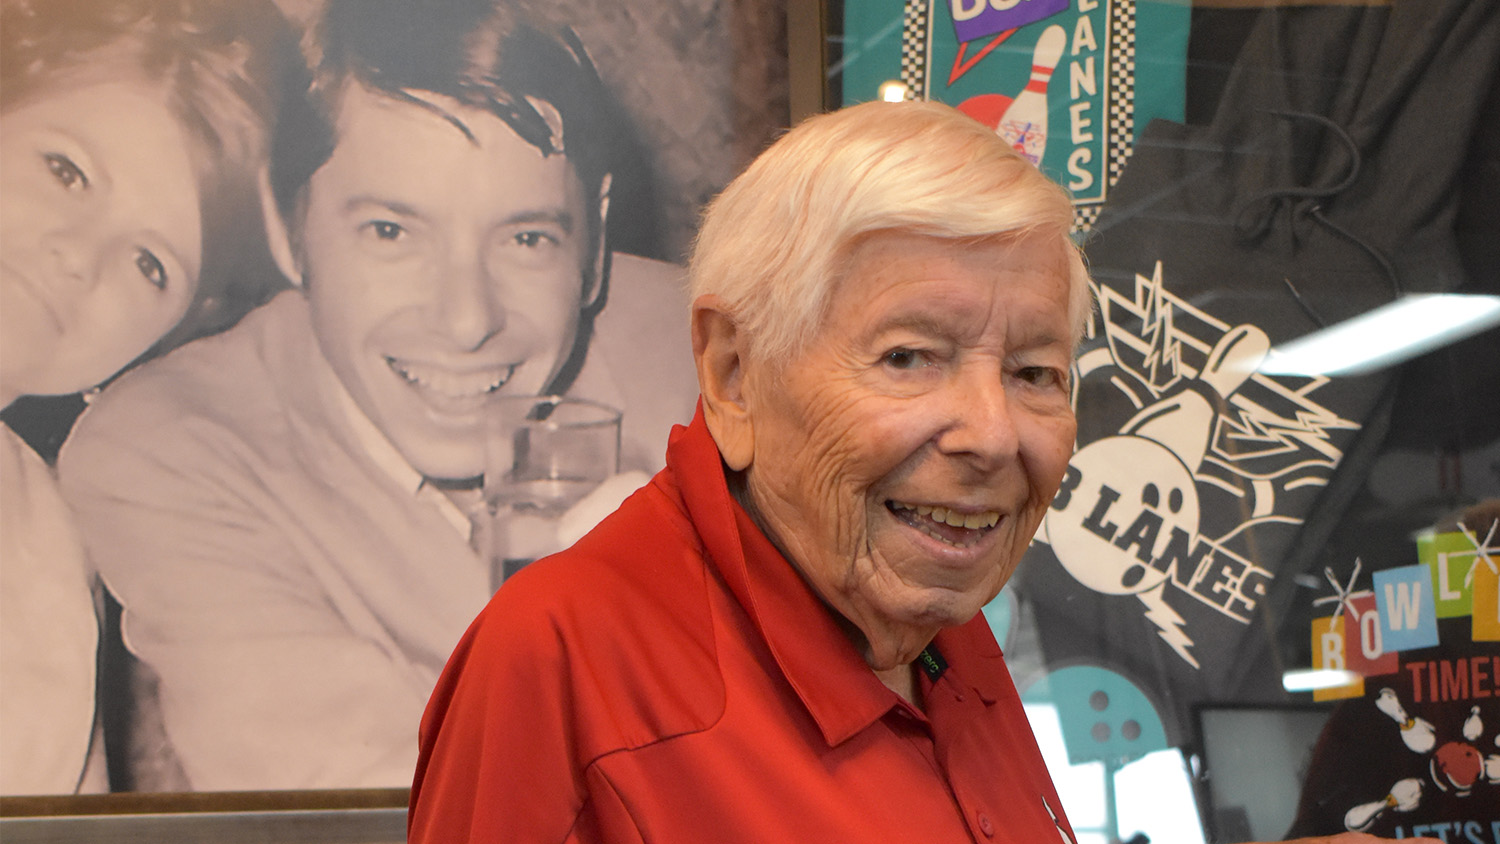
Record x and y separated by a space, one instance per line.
1133 516
1456 766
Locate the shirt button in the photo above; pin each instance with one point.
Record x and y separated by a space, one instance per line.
985 826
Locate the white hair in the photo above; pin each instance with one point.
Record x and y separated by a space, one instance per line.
773 245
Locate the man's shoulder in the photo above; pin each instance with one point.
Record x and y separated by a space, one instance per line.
209 398
227 376
642 346
626 615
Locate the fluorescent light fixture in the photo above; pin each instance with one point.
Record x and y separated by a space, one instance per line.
893 91
1313 679
1410 326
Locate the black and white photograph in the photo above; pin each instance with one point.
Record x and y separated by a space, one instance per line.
282 283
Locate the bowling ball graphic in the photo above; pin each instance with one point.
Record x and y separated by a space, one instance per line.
1120 505
1456 765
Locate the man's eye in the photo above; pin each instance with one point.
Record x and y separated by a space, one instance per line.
533 239
68 174
1040 376
903 359
150 268
386 230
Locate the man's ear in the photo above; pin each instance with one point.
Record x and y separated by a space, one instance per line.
278 237
720 350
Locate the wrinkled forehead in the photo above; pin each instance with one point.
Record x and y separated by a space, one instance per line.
1044 249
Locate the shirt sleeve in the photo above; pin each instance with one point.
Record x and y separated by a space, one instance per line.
492 768
263 682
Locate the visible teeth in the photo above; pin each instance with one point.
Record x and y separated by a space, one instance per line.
972 521
456 385
981 520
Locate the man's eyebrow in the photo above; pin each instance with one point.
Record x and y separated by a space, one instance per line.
934 325
942 325
560 217
400 209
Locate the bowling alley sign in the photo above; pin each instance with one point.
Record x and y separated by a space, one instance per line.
1187 452
1421 644
1058 79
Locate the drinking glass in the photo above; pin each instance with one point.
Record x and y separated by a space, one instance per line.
542 455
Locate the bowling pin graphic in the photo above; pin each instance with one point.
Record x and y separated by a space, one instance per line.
1404 796
1473 726
1417 733
1024 124
1184 422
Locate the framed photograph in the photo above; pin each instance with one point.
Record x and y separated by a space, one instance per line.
269 267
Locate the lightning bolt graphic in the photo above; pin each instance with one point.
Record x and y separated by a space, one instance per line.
1165 352
1168 622
1252 423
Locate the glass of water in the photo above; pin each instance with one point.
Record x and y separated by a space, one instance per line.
542 455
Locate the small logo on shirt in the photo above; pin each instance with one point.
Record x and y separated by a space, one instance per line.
932 662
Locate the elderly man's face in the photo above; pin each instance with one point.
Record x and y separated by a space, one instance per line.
904 460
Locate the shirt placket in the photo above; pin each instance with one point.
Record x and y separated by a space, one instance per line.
963 706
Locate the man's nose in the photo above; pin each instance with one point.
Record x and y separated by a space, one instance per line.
982 425
471 308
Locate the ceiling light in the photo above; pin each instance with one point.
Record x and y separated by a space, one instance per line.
893 91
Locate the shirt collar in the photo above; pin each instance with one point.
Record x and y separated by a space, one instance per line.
839 689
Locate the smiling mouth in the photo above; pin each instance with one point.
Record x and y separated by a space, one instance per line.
450 385
944 524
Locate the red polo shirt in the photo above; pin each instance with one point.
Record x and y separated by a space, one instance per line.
671 678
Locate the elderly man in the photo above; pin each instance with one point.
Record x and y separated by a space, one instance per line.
776 640
282 509
779 638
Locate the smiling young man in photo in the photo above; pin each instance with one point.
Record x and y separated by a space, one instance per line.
281 509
